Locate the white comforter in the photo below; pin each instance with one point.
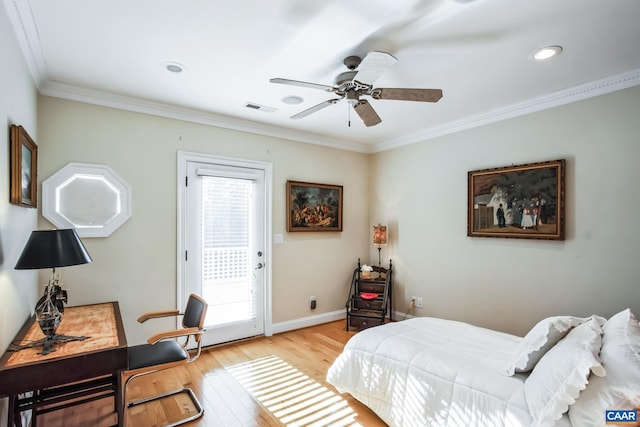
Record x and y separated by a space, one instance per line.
434 372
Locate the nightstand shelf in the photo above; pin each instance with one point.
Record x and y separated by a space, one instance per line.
366 312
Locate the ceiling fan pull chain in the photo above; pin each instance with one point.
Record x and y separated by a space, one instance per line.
349 114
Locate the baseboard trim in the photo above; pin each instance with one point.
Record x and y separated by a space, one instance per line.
305 322
398 316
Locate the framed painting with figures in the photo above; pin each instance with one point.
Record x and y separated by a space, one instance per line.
524 201
313 207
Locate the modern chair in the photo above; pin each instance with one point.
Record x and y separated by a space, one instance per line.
164 350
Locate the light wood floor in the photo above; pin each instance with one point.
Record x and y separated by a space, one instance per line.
264 382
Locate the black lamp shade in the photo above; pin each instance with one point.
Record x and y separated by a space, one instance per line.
51 249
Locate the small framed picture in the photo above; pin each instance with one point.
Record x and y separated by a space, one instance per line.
314 207
23 179
523 201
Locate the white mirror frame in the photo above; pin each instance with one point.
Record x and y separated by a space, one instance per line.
93 199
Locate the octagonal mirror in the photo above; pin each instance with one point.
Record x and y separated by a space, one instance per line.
93 199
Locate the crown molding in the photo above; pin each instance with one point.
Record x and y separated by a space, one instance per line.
567 96
127 103
24 27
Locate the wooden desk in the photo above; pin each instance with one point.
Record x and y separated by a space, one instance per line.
92 365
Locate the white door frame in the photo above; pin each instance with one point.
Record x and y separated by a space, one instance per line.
187 156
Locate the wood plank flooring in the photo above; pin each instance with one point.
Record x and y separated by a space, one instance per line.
266 381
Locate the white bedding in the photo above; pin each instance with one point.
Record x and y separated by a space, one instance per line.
434 372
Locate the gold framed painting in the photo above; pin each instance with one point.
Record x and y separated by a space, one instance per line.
314 207
524 201
23 179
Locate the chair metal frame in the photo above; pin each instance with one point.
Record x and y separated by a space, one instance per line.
186 332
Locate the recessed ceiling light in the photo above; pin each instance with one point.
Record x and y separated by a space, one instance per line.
546 53
292 100
173 67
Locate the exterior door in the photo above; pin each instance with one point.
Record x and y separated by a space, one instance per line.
225 246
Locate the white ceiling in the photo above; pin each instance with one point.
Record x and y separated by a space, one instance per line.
112 53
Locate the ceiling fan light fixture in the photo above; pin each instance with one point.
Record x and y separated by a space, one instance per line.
293 100
174 67
352 97
546 52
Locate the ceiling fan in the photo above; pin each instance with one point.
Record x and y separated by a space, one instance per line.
358 81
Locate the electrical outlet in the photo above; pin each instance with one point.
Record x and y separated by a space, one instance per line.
312 302
418 302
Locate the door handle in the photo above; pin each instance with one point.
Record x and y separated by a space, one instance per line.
259 266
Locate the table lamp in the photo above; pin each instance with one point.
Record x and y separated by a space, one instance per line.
52 249
379 237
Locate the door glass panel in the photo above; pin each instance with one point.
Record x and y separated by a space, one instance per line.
226 250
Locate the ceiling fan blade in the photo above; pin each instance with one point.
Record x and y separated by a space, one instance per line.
421 95
303 84
373 66
315 108
367 113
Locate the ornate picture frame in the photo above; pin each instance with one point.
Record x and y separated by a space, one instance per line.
23 178
313 207
524 201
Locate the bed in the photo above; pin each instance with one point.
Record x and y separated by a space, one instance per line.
435 372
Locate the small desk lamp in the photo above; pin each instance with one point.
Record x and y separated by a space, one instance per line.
379 237
51 249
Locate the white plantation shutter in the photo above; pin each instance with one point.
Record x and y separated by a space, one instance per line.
226 252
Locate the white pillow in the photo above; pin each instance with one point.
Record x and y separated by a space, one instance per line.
544 335
620 388
557 379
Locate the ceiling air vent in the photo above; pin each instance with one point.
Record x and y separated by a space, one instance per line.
259 107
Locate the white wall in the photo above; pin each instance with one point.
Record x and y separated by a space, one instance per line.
136 265
18 289
510 284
